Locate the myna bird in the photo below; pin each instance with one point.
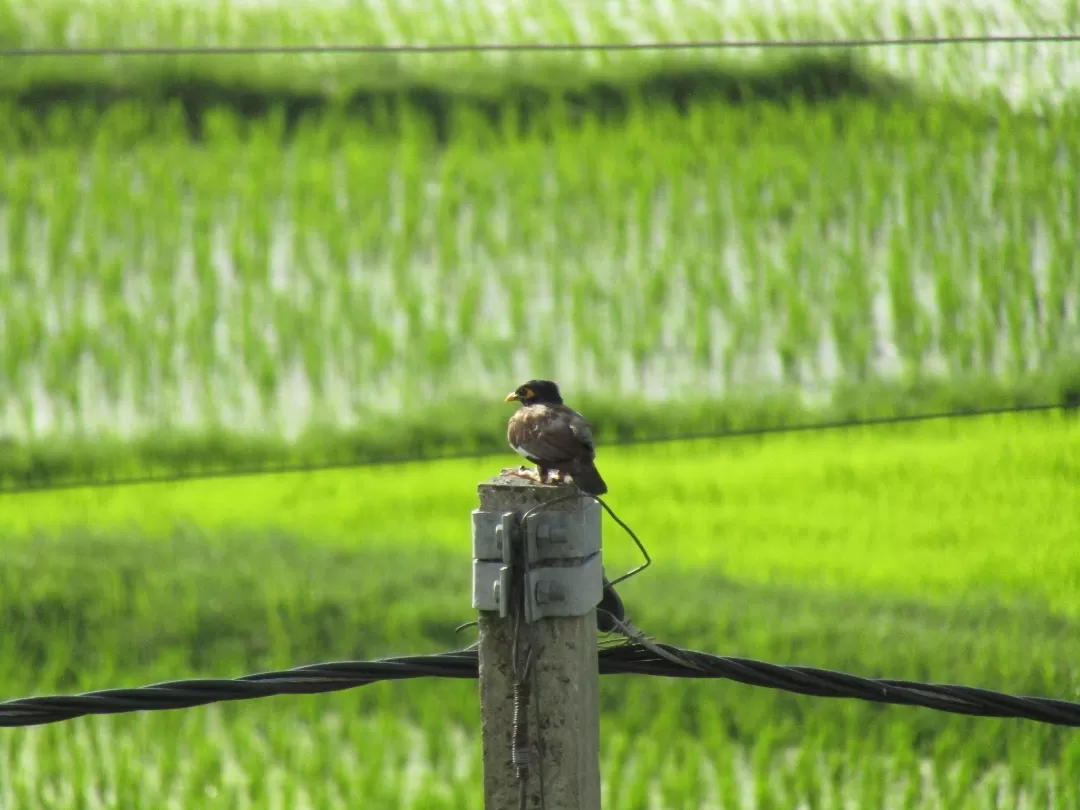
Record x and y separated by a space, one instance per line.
553 436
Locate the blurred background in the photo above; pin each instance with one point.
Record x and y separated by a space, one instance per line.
259 311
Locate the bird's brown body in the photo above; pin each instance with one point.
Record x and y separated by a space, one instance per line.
553 436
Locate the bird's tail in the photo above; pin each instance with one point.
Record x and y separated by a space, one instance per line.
588 479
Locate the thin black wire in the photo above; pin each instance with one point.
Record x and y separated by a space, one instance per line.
240 471
523 693
637 542
520 753
629 659
579 493
510 47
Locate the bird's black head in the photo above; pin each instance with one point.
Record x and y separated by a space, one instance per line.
536 392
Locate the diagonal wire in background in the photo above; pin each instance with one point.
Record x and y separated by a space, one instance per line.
508 47
104 479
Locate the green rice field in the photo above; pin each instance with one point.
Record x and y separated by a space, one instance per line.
933 552
212 262
180 280
189 276
751 260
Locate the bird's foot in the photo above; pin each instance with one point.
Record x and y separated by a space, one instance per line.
526 473
556 477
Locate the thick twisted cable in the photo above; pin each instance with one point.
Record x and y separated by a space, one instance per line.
628 659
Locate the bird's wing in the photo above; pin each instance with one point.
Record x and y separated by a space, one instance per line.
552 435
583 433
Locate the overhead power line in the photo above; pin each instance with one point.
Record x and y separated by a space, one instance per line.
511 47
105 479
10 483
654 659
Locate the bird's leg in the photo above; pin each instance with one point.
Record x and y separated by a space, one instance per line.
542 474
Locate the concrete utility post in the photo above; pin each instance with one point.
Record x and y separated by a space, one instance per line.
549 575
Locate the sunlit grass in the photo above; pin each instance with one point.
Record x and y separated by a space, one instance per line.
942 551
974 507
905 556
329 758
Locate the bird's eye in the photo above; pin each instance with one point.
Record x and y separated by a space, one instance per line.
526 393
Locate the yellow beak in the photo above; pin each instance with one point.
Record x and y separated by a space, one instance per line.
512 397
